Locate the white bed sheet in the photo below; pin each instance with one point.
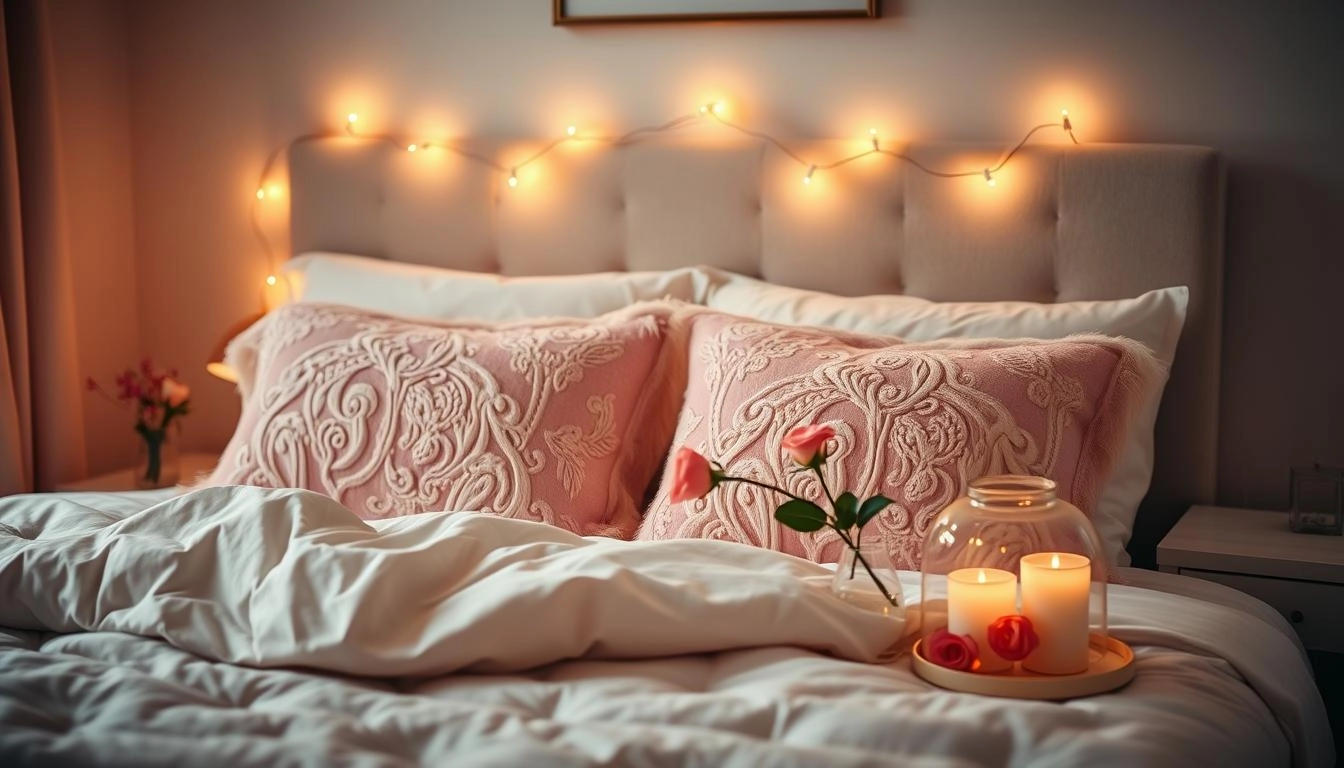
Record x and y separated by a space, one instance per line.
122 617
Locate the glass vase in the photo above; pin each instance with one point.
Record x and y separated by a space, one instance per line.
156 458
857 581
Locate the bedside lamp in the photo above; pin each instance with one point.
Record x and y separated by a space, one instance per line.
216 365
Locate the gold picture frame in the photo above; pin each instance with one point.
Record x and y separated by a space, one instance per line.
565 12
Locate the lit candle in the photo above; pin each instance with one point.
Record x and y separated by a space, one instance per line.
976 597
1055 593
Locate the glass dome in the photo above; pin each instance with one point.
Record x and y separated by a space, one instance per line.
1010 548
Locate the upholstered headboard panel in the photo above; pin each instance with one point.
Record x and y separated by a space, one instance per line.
1064 222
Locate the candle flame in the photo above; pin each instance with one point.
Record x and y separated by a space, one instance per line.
1054 561
981 577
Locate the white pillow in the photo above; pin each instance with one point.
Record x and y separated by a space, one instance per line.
448 294
1154 319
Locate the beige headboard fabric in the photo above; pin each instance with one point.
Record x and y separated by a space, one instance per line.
1064 222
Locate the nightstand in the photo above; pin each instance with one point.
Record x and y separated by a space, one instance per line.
1302 575
191 465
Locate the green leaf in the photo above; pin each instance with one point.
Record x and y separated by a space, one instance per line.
846 510
801 515
871 507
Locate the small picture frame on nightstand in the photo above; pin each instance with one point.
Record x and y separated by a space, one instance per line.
1317 500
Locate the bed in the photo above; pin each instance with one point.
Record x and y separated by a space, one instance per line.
587 321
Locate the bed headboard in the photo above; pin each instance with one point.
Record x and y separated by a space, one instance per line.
1064 222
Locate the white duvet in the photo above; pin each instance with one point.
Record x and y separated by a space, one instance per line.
239 626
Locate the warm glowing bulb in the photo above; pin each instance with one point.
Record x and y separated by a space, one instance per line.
718 107
872 135
989 179
270 279
352 118
704 109
261 194
570 130
808 178
1064 119
411 148
513 178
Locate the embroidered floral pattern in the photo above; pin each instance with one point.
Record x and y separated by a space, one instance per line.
913 422
392 418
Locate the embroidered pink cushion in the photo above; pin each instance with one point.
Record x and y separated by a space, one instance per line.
914 422
393 417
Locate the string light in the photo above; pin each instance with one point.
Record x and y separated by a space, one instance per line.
709 110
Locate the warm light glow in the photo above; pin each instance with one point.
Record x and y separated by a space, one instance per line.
261 194
1064 119
513 178
989 179
1054 562
872 134
411 148
352 118
808 178
719 107
571 130
270 279
273 191
981 577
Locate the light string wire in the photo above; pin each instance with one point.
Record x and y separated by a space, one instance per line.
712 110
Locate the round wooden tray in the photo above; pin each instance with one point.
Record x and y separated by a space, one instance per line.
1111 666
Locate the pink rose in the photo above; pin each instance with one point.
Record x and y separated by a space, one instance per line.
952 651
805 444
1012 637
175 393
692 476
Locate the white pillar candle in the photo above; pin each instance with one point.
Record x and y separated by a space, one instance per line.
976 597
1055 592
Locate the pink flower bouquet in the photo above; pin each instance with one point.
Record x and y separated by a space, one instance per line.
157 398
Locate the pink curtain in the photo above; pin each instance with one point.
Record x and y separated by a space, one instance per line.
41 417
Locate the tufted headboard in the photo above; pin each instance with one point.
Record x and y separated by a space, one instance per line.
1063 223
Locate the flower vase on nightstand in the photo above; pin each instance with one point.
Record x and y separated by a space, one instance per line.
156 458
158 402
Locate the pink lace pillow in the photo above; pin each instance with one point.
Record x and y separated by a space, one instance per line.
562 422
915 422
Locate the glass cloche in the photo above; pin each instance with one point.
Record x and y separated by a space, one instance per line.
1006 550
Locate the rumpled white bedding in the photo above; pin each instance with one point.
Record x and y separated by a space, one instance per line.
240 626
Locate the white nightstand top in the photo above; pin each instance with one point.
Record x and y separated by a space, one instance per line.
1252 542
190 464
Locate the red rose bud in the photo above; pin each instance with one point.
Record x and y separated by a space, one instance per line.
952 651
1012 637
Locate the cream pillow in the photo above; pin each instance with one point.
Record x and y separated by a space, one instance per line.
436 293
1154 319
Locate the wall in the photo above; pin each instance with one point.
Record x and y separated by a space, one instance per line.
92 72
215 85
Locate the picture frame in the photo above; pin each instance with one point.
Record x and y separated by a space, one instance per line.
566 12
